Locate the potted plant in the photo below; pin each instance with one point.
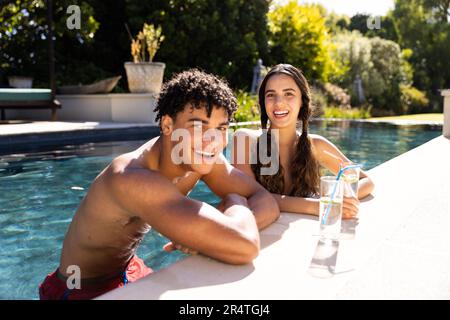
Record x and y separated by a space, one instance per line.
20 82
145 76
19 73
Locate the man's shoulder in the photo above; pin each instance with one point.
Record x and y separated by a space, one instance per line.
125 174
139 190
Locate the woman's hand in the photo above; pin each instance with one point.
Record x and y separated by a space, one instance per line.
172 246
350 208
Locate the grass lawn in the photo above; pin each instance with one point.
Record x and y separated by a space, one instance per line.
417 117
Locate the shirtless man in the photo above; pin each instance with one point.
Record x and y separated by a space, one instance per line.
148 188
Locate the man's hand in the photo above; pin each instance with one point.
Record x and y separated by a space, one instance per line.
350 208
230 200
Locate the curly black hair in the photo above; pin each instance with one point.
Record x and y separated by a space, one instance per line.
201 89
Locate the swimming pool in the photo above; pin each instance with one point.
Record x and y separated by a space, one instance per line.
39 192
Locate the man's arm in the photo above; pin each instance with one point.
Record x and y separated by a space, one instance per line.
224 179
231 236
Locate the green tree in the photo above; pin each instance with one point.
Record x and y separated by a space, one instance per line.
336 23
23 35
380 65
387 30
440 9
225 37
298 35
101 55
354 53
423 27
359 22
387 67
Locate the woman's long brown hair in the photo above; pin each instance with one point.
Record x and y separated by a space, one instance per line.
304 167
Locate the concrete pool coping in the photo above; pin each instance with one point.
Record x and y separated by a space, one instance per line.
399 250
393 122
36 127
41 134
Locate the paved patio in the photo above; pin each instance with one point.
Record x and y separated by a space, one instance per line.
28 136
399 249
33 127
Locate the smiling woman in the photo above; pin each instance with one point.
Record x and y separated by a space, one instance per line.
285 100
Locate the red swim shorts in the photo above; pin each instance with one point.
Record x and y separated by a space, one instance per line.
54 286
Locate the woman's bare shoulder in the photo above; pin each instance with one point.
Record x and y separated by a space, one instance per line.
318 143
317 140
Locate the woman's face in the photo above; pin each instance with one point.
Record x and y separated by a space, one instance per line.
283 100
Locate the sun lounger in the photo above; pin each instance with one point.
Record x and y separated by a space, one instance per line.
13 98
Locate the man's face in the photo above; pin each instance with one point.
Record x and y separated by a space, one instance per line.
198 140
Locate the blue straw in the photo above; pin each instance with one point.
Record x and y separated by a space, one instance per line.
352 166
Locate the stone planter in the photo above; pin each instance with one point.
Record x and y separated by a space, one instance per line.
145 77
20 82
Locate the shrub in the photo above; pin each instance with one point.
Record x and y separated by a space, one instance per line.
248 107
352 113
376 112
328 95
413 100
319 101
379 64
299 36
336 95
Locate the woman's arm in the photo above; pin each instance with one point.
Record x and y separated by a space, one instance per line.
311 206
330 157
244 141
297 204
289 203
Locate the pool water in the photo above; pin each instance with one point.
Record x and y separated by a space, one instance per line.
40 192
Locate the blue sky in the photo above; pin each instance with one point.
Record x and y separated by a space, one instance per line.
351 7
